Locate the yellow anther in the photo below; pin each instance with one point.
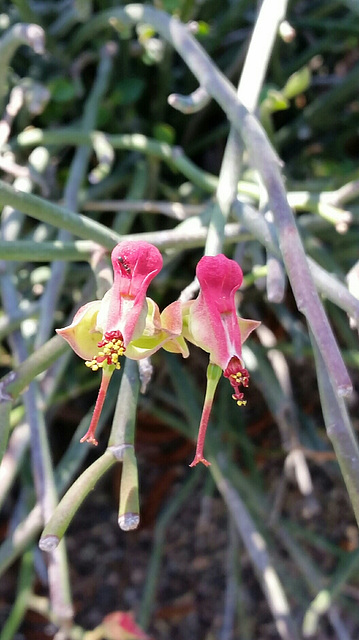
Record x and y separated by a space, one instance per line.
109 355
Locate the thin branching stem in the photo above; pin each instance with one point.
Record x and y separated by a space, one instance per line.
262 157
339 429
67 507
71 196
326 283
257 550
59 216
175 156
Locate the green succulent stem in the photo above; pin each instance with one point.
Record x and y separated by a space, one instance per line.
122 444
15 382
57 525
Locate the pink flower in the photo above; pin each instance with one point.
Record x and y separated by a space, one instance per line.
103 330
124 308
126 322
213 325
120 625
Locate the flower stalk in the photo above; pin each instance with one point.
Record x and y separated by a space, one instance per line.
90 433
213 376
211 322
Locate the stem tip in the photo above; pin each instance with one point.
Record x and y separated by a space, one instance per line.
49 543
128 521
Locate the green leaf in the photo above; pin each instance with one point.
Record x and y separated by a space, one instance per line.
297 83
274 101
204 28
164 133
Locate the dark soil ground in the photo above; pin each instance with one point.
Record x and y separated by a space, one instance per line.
109 567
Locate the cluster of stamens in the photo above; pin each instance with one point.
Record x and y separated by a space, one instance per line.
111 349
237 376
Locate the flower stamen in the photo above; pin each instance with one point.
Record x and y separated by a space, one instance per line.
237 376
111 349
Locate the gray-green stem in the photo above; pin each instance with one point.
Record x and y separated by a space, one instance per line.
11 385
122 445
262 158
59 216
31 34
67 507
20 605
339 429
327 284
78 251
249 87
29 528
257 550
132 142
77 174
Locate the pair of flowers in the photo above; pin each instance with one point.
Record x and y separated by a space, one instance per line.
126 322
